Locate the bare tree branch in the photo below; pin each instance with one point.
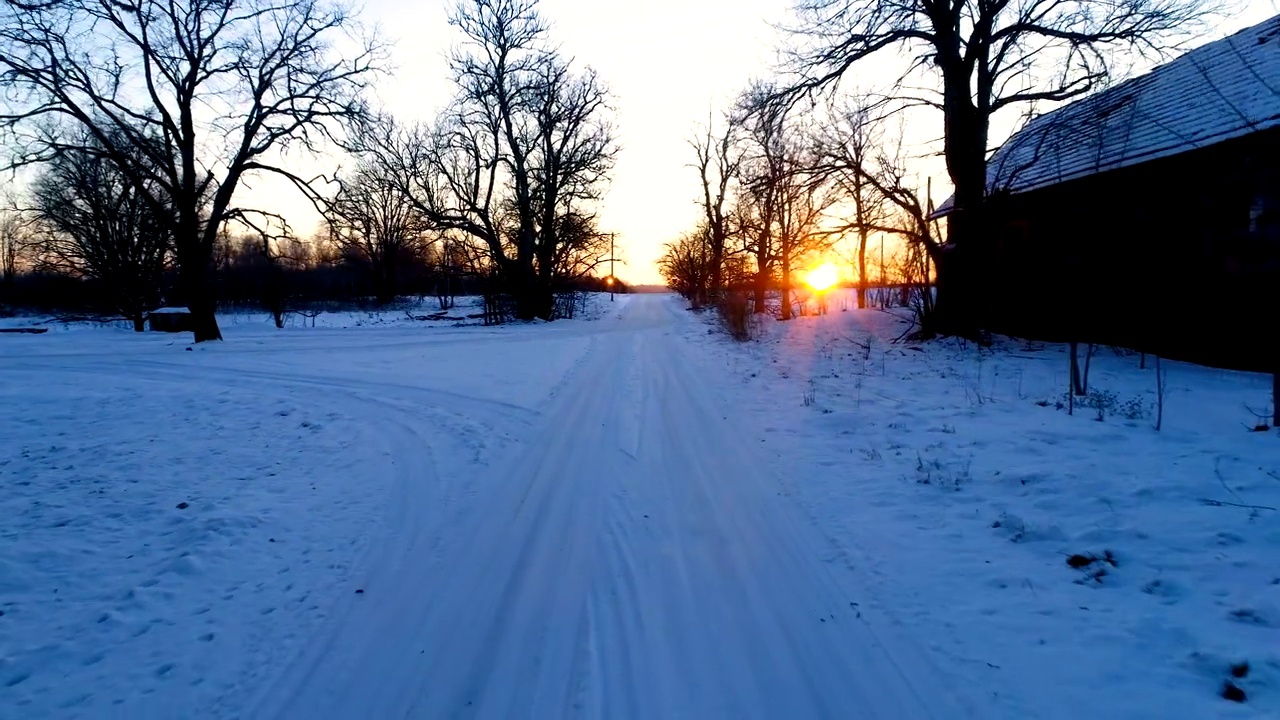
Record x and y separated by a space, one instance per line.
185 98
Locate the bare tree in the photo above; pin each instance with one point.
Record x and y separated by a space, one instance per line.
14 232
187 99
719 157
576 152
686 266
983 56
372 222
258 266
762 174
519 159
98 226
803 201
451 260
850 144
901 211
754 215
782 178
581 249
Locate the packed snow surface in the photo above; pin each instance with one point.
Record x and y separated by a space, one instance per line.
625 515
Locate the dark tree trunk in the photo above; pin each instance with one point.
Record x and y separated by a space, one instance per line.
204 319
194 276
718 238
139 322
386 281
1088 360
1077 385
862 268
535 303
717 262
544 302
761 290
954 311
965 142
786 288
194 243
534 299
526 305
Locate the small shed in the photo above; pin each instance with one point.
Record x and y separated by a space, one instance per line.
170 319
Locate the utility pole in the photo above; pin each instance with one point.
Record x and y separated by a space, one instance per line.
613 282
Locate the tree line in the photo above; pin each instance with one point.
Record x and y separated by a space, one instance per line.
781 187
142 120
801 162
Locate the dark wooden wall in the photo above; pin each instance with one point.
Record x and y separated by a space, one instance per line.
1178 256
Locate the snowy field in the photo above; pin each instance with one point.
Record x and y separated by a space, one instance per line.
625 515
178 522
952 480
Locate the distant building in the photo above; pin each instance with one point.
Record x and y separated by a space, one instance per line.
1148 215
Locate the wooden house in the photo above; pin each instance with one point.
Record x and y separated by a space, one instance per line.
1147 215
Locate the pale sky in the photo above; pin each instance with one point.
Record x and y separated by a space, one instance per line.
667 63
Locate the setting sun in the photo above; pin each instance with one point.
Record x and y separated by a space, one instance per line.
823 277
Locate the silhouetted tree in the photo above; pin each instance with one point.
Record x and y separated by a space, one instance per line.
685 265
185 98
581 249
371 221
984 56
97 225
850 141
14 234
719 157
787 197
520 157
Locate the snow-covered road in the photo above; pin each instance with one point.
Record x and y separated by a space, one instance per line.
626 516
634 558
542 521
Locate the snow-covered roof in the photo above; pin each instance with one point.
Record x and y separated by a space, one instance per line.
1219 91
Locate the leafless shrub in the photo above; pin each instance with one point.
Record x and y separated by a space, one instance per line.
569 304
736 316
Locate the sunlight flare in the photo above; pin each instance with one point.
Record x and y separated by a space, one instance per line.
823 278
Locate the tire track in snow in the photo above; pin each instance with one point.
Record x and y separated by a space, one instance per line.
415 489
509 574
632 559
719 608
370 391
